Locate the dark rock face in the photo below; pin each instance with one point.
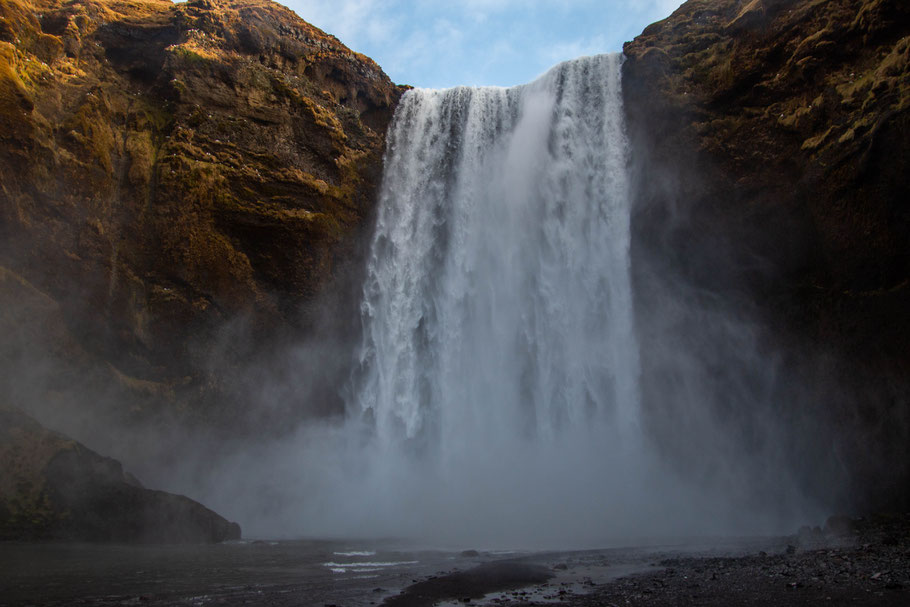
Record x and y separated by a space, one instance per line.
169 169
772 144
55 488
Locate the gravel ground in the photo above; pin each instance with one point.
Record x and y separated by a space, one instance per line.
849 562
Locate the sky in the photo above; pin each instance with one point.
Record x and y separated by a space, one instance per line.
444 43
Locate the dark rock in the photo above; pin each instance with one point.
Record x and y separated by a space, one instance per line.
839 525
771 144
471 584
55 488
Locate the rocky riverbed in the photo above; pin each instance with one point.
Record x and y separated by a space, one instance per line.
856 562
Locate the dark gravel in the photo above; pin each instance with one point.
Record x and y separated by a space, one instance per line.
848 562
861 562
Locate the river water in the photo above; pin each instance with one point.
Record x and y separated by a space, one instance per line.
321 573
252 573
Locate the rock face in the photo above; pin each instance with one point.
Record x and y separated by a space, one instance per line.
180 186
168 169
54 488
772 143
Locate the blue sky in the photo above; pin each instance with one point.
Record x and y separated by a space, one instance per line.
442 43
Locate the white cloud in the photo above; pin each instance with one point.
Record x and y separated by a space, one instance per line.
563 51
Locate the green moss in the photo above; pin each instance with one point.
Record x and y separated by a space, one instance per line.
15 101
189 55
141 151
48 48
29 510
723 76
814 142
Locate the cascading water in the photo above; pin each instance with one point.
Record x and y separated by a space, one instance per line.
498 298
499 364
496 403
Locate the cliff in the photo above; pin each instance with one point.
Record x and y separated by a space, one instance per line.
184 188
170 170
772 145
55 488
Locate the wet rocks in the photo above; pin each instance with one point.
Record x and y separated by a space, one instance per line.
464 586
868 571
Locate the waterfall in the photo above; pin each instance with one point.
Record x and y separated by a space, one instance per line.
498 296
499 350
497 398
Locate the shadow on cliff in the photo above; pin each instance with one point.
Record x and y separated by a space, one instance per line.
770 241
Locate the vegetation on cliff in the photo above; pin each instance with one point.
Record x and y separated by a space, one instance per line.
168 168
179 183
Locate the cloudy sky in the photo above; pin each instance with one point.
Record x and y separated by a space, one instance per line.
442 43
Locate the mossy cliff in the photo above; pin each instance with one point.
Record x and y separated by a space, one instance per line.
169 168
772 142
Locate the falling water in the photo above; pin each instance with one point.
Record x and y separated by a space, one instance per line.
498 297
499 354
496 398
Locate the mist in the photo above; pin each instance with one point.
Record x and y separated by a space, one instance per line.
520 374
510 389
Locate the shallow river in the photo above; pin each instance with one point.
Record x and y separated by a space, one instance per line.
253 573
283 573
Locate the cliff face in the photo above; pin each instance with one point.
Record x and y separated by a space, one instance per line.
168 168
179 184
772 143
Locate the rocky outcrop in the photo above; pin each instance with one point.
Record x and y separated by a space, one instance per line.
772 144
55 488
171 169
